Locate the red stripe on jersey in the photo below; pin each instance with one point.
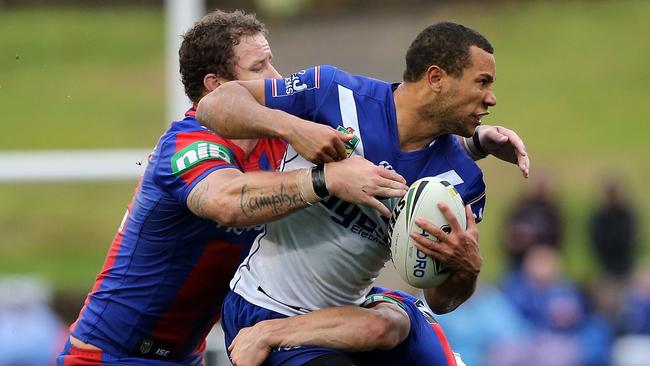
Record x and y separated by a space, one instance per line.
192 111
184 139
191 175
274 150
274 88
210 275
83 357
317 77
394 295
112 254
451 360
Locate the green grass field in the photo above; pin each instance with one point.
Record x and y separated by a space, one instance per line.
572 79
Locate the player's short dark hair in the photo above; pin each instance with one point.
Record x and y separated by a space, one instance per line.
445 45
208 47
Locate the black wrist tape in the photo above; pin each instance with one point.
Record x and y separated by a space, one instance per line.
318 181
477 143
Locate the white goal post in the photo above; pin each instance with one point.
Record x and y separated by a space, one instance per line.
110 164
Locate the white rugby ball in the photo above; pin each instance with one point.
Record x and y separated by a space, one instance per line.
421 199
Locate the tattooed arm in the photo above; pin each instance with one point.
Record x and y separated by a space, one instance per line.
237 199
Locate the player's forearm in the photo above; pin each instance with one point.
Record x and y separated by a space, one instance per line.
452 293
253 198
232 111
349 328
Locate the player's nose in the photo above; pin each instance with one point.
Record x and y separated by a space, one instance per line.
273 73
490 99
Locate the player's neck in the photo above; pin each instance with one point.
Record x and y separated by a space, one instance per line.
415 130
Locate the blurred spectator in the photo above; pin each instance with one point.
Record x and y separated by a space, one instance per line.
30 332
613 235
487 320
635 309
633 348
612 231
534 220
566 331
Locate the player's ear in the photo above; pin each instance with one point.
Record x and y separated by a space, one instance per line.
434 76
212 81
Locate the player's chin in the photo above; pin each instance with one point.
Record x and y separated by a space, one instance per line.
472 126
467 131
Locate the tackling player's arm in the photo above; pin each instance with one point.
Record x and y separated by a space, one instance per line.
461 254
237 199
346 328
237 110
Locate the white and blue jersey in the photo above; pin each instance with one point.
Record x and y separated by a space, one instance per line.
329 254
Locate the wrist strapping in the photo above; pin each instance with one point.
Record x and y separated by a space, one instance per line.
473 146
306 187
318 181
477 143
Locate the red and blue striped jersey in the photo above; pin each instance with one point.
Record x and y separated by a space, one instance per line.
167 271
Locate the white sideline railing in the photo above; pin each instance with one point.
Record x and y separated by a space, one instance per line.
91 166
72 165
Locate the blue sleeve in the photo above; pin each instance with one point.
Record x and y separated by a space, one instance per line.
186 159
474 194
301 93
478 207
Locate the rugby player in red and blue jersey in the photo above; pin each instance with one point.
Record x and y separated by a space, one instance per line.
193 215
165 275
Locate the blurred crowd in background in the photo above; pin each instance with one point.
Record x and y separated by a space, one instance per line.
535 315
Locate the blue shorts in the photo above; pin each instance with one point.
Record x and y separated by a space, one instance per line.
237 313
426 343
73 356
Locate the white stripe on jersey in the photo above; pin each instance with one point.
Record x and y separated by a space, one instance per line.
452 177
349 114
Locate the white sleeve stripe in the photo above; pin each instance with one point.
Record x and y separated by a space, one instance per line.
476 199
452 177
349 114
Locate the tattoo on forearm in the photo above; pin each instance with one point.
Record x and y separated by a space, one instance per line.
278 201
197 199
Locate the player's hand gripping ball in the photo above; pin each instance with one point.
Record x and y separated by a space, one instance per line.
416 268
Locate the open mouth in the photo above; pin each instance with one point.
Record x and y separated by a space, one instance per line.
477 117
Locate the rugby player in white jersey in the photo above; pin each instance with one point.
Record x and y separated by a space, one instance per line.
329 254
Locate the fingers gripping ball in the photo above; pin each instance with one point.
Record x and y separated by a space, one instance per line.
421 199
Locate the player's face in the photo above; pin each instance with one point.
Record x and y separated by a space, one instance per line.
253 59
469 96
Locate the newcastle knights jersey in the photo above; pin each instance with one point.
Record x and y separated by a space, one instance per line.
330 253
163 281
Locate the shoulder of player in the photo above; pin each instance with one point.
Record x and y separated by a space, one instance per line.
182 138
360 85
189 131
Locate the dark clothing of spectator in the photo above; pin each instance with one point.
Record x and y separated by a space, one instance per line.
612 232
